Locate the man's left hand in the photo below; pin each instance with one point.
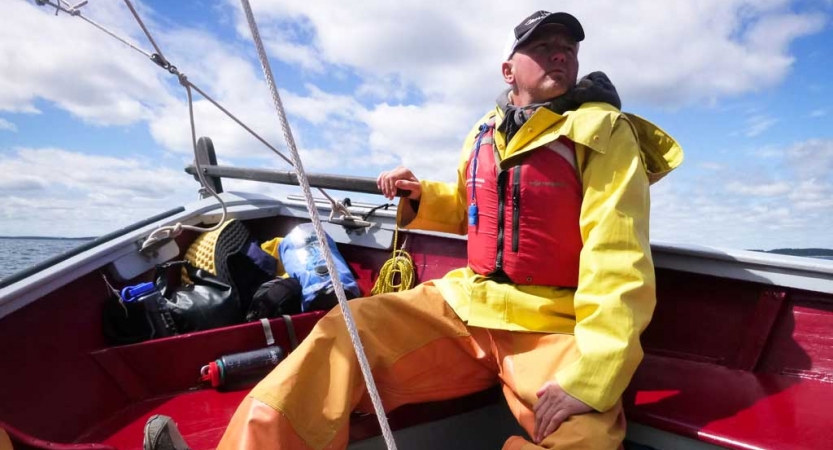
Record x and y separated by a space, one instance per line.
554 407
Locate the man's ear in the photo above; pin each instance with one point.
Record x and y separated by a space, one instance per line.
508 70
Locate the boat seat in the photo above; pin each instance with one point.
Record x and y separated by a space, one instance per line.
753 410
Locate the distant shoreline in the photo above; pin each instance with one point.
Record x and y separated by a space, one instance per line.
50 238
807 252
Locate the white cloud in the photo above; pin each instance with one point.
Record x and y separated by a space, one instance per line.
747 207
812 158
427 139
319 107
382 83
718 218
297 55
428 50
103 82
759 190
87 194
70 63
316 118
22 182
376 88
766 152
424 50
8 126
817 113
236 86
711 49
757 124
712 166
813 196
89 174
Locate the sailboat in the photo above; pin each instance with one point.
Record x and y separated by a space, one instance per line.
737 353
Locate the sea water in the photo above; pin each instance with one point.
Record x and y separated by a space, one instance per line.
17 254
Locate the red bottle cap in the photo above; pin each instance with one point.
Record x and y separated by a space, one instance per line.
211 372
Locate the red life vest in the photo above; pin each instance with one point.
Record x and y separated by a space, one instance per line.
524 219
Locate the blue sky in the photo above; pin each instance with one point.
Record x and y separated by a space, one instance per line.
94 137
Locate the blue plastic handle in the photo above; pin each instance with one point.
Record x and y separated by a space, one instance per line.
132 293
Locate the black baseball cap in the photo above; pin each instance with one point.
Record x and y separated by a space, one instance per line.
528 26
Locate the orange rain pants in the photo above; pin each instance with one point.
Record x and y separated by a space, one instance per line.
5 442
419 351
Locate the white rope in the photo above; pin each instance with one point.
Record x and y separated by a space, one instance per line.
322 241
175 230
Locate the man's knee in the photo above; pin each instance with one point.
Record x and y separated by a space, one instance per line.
252 426
358 309
597 431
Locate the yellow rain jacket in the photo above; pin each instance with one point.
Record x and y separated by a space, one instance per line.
618 155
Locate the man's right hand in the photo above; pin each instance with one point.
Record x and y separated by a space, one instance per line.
399 178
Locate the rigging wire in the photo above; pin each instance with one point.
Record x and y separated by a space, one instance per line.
75 11
159 59
145 29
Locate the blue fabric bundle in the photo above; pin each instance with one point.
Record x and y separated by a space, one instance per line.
301 256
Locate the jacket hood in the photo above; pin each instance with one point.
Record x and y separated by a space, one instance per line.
660 152
591 125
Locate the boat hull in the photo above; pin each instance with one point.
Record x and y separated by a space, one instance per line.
737 354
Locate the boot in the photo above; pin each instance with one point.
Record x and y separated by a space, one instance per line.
161 434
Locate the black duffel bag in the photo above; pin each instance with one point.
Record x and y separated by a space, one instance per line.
160 308
208 302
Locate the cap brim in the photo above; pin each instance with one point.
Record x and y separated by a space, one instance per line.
570 23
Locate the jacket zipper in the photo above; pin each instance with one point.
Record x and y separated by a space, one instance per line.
501 213
516 208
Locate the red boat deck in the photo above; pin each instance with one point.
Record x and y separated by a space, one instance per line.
736 363
207 411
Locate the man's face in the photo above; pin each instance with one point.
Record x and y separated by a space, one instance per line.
544 67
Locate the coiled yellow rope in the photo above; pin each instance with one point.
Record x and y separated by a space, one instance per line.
401 264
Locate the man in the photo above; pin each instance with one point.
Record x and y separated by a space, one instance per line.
593 233
552 190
